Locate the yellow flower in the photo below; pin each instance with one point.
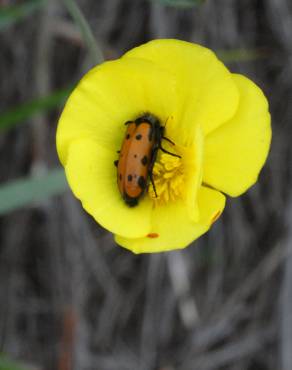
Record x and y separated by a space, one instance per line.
219 123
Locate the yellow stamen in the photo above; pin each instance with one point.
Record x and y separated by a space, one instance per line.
168 176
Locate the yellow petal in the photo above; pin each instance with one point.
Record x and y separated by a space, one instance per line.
92 177
108 96
208 95
236 152
171 226
192 158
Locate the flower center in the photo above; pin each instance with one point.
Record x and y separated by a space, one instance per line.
168 177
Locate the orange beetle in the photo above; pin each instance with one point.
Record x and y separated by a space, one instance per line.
137 157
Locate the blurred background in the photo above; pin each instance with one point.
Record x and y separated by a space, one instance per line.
70 299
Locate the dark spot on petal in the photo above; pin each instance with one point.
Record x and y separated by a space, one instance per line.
153 235
138 137
130 177
144 160
116 163
135 155
120 176
118 151
142 182
128 136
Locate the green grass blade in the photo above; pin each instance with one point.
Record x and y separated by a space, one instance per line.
86 32
180 3
7 364
240 55
19 193
24 111
14 13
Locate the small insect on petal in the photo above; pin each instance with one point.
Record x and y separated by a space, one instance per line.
138 155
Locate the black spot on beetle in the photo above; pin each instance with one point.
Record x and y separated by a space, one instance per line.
138 137
135 155
131 202
142 182
128 136
144 160
116 163
130 177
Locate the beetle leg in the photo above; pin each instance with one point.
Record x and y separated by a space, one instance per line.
165 151
151 165
167 139
153 183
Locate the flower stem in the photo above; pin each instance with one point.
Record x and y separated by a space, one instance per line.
87 35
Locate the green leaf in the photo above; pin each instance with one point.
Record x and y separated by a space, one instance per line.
22 192
180 3
24 111
86 31
240 55
7 364
14 13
